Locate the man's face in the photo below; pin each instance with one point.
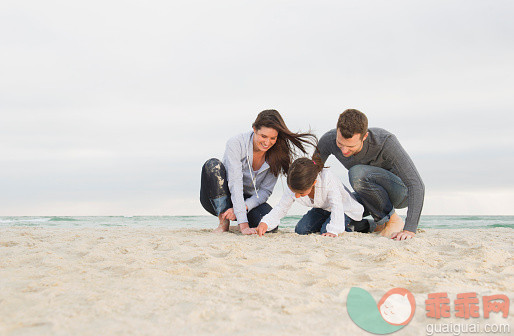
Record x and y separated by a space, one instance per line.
350 146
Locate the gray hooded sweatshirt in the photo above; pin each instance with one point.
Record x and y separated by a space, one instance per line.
243 182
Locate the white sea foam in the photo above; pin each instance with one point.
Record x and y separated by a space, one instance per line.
198 222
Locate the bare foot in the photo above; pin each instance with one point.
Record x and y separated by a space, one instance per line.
395 224
223 227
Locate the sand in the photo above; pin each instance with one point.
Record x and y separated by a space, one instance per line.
150 281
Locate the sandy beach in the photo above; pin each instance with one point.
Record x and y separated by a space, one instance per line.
150 281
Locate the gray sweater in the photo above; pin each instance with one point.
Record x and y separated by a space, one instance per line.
382 149
242 180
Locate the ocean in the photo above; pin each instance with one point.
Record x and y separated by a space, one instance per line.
210 222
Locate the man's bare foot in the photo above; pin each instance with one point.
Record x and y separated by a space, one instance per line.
395 224
223 227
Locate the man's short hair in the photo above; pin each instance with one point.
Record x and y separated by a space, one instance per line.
352 122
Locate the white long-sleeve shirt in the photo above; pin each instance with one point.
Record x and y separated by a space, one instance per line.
330 194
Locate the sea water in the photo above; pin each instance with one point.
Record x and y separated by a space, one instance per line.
209 222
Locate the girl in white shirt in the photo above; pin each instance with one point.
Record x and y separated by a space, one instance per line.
316 187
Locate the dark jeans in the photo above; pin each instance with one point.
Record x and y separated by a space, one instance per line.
379 191
316 220
215 195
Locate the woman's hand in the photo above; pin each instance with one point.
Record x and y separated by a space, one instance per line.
262 228
229 214
246 229
328 234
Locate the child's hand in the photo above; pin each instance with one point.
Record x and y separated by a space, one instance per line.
262 228
328 234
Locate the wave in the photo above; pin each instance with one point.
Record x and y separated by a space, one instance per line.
25 220
502 225
430 222
63 219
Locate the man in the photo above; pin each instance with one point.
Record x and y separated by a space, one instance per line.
380 171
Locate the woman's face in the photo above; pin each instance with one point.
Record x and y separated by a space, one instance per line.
264 138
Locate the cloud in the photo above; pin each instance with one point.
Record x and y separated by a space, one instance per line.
114 104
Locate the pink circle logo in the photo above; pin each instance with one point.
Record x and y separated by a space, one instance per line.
397 306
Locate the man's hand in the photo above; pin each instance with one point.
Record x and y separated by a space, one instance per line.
246 230
328 234
404 235
262 228
229 214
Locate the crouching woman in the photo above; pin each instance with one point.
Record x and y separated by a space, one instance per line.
238 188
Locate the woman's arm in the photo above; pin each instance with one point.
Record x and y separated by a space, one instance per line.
233 164
265 189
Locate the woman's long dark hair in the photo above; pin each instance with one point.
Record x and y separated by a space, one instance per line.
280 155
303 172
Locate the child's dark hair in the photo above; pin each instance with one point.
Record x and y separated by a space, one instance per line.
303 172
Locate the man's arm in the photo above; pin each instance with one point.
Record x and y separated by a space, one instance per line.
325 146
407 172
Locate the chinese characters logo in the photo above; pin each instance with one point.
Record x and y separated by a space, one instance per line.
466 305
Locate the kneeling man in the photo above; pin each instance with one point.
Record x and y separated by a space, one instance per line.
380 171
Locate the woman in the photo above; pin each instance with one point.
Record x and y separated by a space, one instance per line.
238 188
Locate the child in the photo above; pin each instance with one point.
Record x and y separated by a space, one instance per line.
316 187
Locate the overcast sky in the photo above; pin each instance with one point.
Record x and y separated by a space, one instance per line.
111 107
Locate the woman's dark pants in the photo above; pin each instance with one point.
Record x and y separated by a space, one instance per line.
215 195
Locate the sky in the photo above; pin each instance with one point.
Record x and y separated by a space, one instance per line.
112 107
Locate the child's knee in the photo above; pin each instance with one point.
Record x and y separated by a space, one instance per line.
301 230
